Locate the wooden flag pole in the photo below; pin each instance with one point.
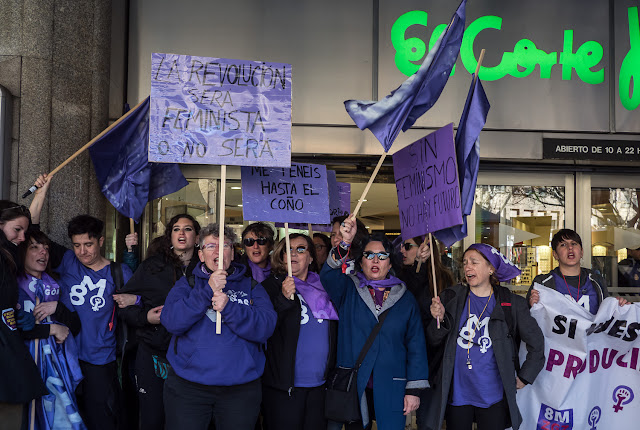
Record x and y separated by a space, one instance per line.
32 420
433 273
288 244
223 189
310 228
366 189
132 226
475 76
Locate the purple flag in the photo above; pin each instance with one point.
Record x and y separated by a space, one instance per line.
401 108
126 177
474 116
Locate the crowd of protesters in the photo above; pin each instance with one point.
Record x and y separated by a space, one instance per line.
134 346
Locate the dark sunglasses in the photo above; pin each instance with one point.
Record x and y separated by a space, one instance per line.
407 246
299 249
249 241
370 254
19 208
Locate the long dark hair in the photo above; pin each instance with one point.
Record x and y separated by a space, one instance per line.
10 211
444 277
162 245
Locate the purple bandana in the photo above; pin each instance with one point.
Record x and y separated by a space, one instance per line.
382 283
505 270
258 273
316 297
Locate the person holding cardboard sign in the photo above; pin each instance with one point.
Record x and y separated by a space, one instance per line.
303 346
394 368
216 377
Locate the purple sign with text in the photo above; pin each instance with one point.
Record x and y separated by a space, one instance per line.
339 203
426 175
219 111
296 194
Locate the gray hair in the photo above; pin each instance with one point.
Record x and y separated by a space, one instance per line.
214 230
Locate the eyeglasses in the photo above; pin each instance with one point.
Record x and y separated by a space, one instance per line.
407 246
370 254
299 249
249 241
214 246
20 208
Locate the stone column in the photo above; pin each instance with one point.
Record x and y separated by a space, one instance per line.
54 59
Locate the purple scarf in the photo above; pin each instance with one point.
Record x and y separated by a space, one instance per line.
382 283
316 297
258 273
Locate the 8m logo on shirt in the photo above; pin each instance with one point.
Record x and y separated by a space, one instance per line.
78 293
553 419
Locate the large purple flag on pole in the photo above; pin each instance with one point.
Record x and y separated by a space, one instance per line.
127 178
474 116
416 95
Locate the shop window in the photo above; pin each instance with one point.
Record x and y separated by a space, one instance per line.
520 221
615 235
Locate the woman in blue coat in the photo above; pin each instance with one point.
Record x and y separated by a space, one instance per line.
395 367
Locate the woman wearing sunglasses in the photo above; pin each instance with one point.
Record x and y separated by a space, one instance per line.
257 241
171 257
394 370
481 371
303 346
416 252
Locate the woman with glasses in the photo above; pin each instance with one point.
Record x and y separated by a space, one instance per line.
257 241
172 256
20 381
323 246
416 252
394 370
302 347
216 377
480 371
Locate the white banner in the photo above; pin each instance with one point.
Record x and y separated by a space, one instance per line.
591 378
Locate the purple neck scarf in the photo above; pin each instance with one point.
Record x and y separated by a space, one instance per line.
382 283
258 273
316 297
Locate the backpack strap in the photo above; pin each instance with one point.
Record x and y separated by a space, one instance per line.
117 276
510 318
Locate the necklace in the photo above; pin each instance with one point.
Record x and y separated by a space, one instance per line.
472 332
567 285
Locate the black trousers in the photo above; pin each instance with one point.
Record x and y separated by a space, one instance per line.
150 388
302 410
193 406
492 418
98 395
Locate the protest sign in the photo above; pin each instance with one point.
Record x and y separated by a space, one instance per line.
296 194
219 111
591 378
339 203
426 176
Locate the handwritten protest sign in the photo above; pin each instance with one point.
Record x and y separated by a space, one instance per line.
296 194
219 111
426 175
339 203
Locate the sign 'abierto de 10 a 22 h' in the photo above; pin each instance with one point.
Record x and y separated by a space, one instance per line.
219 111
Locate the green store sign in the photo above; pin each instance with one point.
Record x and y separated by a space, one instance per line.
585 59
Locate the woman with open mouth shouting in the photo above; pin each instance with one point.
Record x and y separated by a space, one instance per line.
171 257
479 322
257 242
303 346
394 368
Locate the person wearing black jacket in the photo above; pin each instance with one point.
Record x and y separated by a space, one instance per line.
303 346
172 256
416 252
20 381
